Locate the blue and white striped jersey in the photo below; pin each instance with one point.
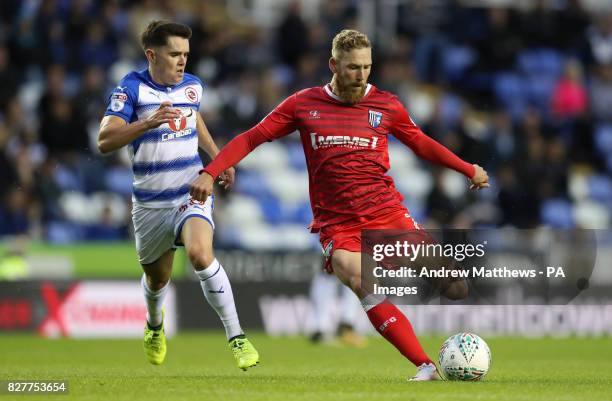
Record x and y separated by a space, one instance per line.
165 159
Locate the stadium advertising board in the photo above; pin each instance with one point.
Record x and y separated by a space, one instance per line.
84 309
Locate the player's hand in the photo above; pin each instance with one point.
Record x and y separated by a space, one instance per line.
162 115
227 178
202 187
480 179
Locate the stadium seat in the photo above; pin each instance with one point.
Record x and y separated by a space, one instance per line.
251 183
272 209
301 213
455 61
76 207
511 91
603 139
69 179
592 215
270 156
541 62
63 232
414 184
578 186
295 153
273 238
402 159
257 237
540 90
287 184
454 184
600 188
241 211
557 213
451 109
119 180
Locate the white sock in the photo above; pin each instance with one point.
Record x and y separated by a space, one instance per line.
370 301
218 292
155 302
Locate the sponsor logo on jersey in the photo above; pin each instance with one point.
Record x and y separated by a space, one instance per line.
375 117
173 135
178 124
191 94
326 141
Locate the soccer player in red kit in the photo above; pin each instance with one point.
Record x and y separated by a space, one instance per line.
344 128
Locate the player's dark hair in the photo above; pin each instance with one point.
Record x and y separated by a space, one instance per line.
157 33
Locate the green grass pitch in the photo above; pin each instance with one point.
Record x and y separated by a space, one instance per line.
200 366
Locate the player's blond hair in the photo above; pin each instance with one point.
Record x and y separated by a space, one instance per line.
347 40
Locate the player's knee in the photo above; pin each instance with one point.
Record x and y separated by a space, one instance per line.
156 283
200 256
346 272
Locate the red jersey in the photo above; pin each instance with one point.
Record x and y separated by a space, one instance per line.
346 148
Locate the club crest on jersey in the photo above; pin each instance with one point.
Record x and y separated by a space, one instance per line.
375 117
191 94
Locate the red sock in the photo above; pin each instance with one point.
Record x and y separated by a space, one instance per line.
391 323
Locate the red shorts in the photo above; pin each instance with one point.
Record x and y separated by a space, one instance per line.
350 239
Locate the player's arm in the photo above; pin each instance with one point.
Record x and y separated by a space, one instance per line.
206 143
429 149
115 132
280 122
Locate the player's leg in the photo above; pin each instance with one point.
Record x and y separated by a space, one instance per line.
322 293
154 239
197 236
349 306
386 318
155 287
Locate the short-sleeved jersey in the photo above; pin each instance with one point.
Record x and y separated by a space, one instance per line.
165 159
346 148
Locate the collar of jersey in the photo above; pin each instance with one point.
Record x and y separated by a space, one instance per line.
331 94
155 85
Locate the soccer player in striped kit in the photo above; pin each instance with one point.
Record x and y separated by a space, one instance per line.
155 113
344 128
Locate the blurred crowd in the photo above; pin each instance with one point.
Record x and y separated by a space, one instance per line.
526 92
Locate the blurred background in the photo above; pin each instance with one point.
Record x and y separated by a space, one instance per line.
523 88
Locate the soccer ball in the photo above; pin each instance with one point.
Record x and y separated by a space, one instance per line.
465 356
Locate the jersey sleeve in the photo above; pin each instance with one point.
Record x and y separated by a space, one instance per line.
410 134
280 122
122 100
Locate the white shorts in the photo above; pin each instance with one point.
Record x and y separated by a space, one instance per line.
157 230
